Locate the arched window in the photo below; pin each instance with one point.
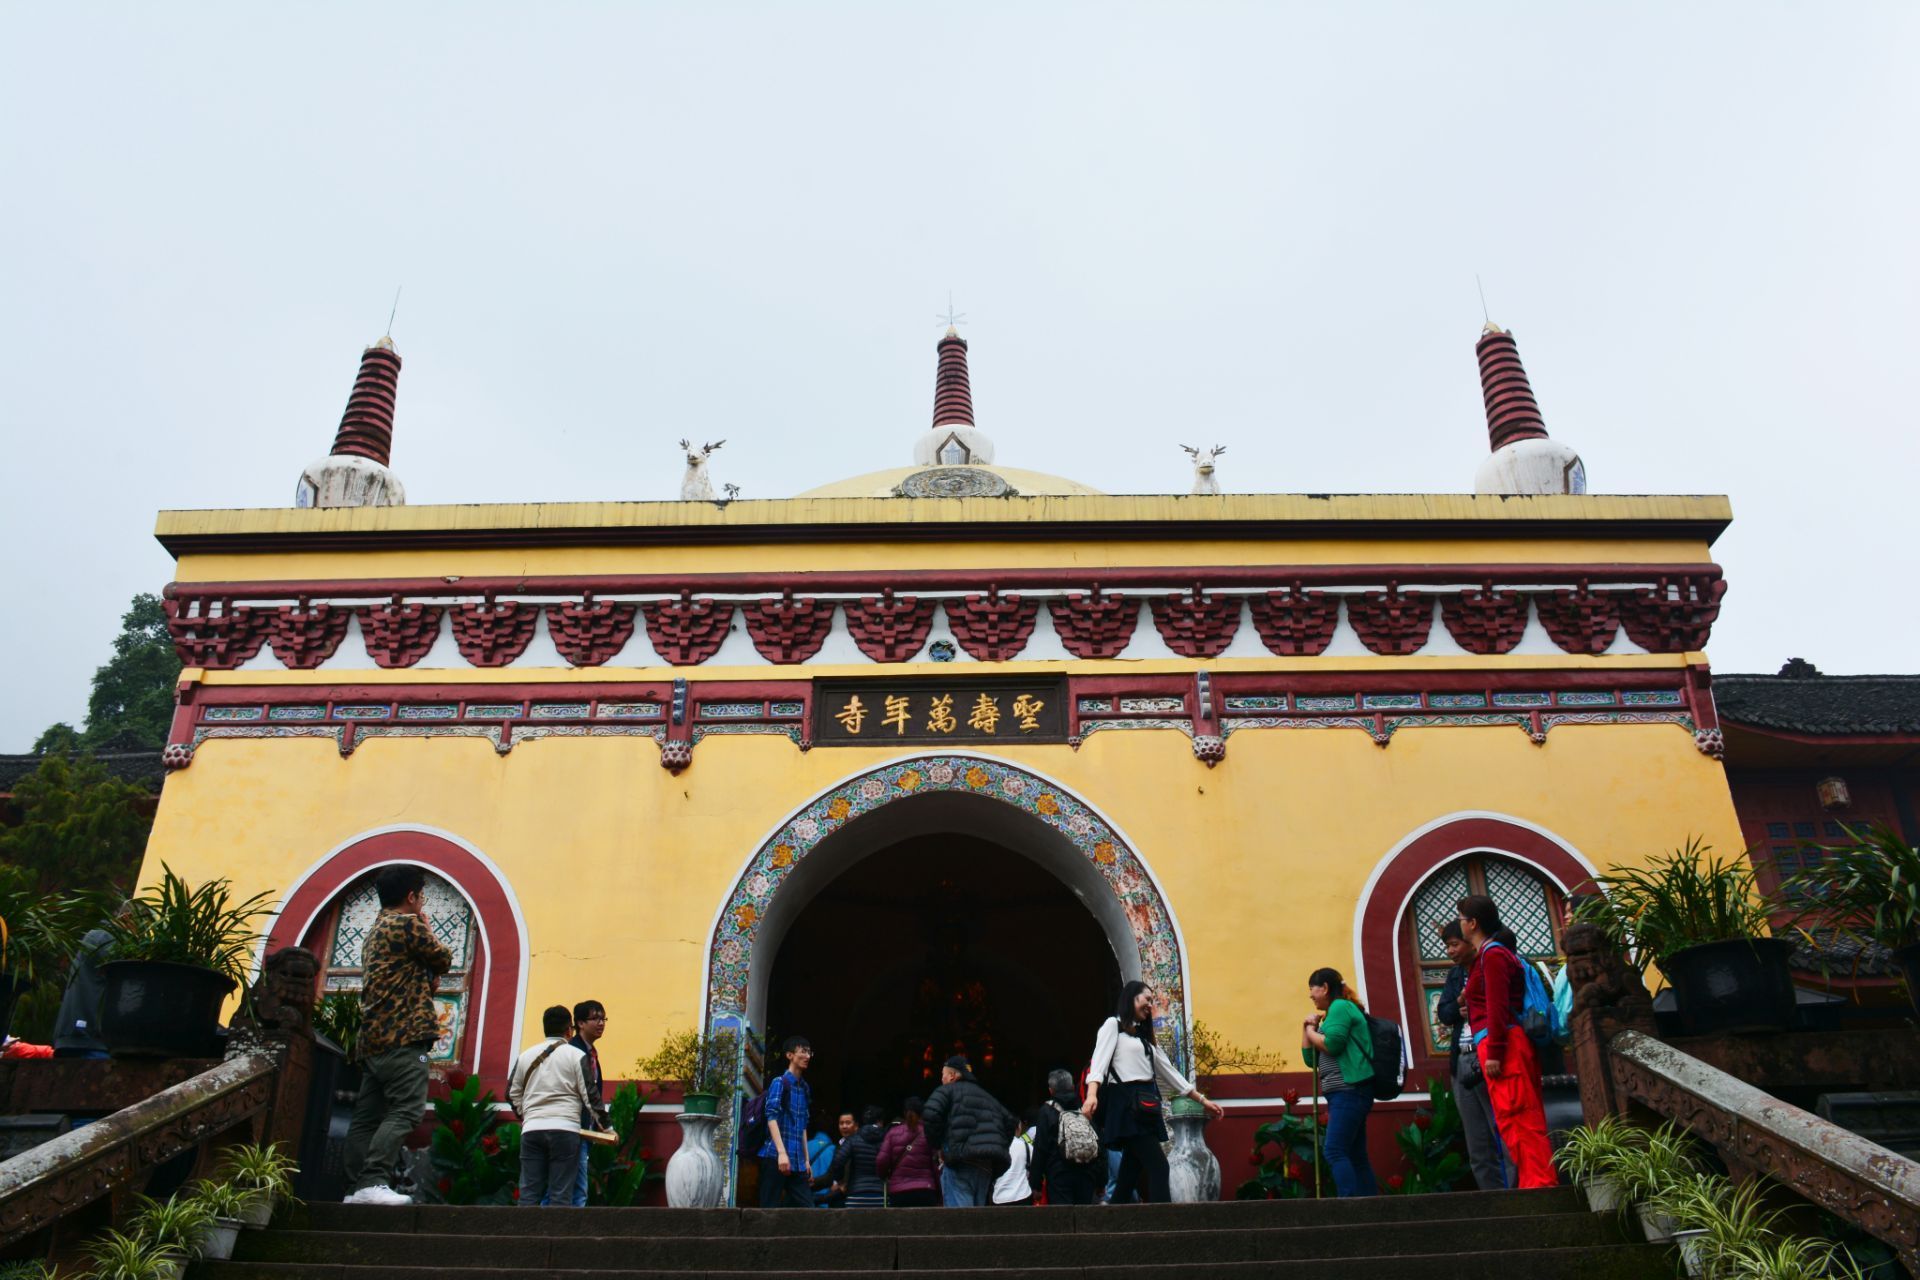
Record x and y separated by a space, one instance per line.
1529 905
341 932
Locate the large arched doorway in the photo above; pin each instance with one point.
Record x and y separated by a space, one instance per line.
940 944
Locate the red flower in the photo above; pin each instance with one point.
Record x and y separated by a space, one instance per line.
1396 1182
490 1145
646 1153
1293 1098
516 1195
1298 1170
459 1128
1423 1120
1255 1159
445 1185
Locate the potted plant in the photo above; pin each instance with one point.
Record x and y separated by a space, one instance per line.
702 1062
1713 1218
1702 921
38 935
1871 889
33 1269
229 1204
1646 1170
1587 1157
177 1226
263 1175
177 953
130 1257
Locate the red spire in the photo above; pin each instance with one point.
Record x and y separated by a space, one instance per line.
1512 412
366 428
952 394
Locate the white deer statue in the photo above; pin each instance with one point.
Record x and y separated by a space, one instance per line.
1203 481
696 485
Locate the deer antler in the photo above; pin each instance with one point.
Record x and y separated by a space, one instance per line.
709 448
685 445
1191 451
1219 449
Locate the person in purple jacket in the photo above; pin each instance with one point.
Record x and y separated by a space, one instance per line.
907 1163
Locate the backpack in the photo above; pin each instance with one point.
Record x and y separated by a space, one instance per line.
754 1133
1536 1015
1386 1045
1079 1144
1563 1005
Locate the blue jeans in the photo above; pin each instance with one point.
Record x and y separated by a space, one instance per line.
965 1186
1112 1193
1347 1111
580 1188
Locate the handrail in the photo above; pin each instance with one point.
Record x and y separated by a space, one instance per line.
40 1186
1859 1181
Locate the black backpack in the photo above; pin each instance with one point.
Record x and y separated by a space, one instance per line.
1386 1046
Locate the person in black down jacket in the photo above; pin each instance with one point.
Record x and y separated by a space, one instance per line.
853 1170
972 1131
1067 1182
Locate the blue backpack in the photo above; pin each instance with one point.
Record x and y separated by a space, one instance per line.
1537 1014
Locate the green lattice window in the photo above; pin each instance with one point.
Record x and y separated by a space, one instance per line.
1529 905
351 919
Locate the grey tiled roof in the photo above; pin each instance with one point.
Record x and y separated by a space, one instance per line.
1818 704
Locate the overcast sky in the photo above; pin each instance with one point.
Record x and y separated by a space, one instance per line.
1255 225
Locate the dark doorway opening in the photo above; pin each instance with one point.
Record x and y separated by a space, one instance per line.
939 945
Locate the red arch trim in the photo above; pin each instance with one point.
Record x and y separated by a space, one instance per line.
1427 853
494 989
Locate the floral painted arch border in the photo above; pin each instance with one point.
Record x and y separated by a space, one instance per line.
730 957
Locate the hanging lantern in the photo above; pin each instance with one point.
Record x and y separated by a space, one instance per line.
1833 793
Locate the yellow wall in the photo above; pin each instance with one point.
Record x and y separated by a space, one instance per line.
621 866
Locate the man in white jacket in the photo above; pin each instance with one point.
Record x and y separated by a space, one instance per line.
548 1088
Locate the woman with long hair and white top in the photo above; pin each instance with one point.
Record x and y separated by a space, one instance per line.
1123 1092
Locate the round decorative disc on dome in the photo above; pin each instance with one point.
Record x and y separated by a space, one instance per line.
955 482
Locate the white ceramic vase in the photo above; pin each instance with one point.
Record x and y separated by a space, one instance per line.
695 1179
1193 1173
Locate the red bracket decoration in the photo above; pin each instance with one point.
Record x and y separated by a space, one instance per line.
1296 622
493 633
993 627
399 634
687 632
216 640
1485 621
303 636
889 628
1672 617
1391 622
788 630
590 632
1095 626
1194 624
1580 621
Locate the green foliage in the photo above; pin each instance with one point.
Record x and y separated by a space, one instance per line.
1434 1145
30 1270
225 1199
80 827
338 1017
1786 1258
1678 900
1590 1149
132 704
1732 1217
59 738
38 933
178 1225
128 1257
1289 1155
702 1062
618 1173
1644 1169
1870 887
476 1159
1215 1056
259 1170
199 926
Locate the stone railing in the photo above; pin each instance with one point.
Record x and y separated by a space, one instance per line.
1625 1069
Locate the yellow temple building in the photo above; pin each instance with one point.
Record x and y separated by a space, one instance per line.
938 756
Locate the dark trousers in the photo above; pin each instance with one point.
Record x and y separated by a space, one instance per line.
392 1098
549 1167
918 1198
1347 1111
1069 1183
1143 1165
785 1190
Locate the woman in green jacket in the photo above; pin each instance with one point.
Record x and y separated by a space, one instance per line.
1339 1046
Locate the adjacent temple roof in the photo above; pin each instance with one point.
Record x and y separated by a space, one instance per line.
1801 700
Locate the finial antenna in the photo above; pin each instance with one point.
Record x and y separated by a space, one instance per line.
396 310
953 318
1484 313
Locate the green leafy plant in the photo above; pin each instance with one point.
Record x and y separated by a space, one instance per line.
177 1225
1643 1171
1681 899
200 926
1869 887
1588 1150
338 1017
226 1199
1433 1144
1732 1216
261 1171
38 932
617 1173
476 1159
30 1270
1284 1152
117 1256
1213 1055
701 1061
1787 1258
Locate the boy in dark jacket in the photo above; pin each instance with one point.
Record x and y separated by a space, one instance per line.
1067 1182
972 1131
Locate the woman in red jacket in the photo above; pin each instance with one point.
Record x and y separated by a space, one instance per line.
1496 989
906 1163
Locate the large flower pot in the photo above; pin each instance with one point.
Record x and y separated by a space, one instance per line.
695 1179
152 1008
701 1104
1658 1226
1908 958
220 1239
1693 1250
1193 1174
1744 984
1603 1195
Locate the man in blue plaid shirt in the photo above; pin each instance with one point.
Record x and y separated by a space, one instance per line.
786 1176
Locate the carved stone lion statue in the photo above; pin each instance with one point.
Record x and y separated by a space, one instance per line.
1602 978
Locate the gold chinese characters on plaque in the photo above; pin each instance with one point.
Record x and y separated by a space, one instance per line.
862 712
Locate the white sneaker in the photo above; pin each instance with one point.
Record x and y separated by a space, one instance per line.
377 1195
